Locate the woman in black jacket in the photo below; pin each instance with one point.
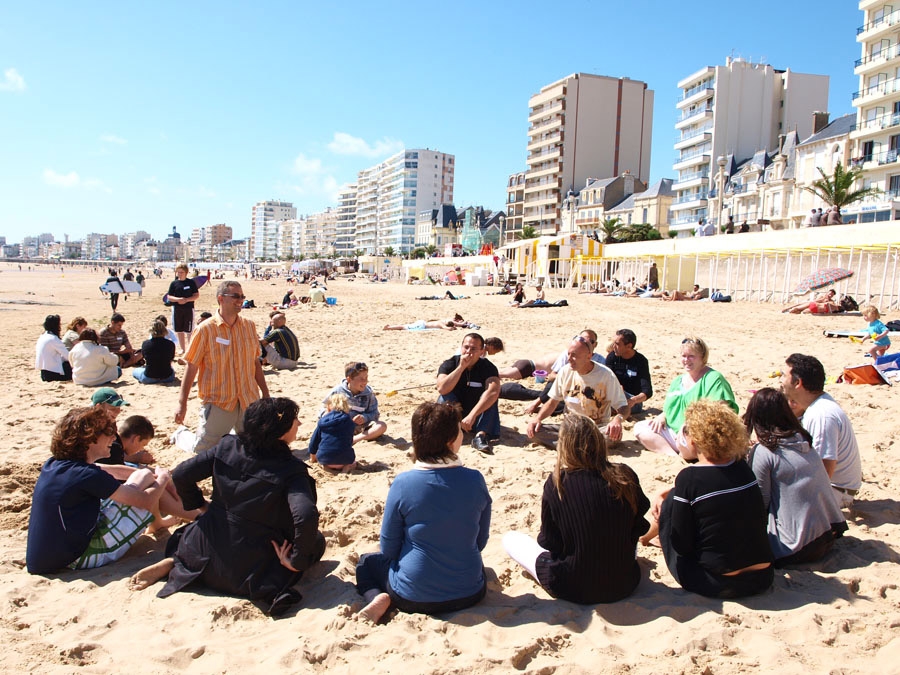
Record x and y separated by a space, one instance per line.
260 529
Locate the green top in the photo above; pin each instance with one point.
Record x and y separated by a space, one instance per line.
712 385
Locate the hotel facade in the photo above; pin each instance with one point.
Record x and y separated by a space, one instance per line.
580 126
732 112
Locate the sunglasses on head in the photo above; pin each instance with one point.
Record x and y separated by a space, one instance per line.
583 340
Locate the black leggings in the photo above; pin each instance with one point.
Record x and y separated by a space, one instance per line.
372 574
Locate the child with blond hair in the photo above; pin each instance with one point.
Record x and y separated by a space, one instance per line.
876 330
331 444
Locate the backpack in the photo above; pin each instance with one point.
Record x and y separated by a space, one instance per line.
893 325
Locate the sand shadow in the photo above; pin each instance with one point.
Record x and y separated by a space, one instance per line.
876 512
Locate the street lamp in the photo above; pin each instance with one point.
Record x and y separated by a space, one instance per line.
720 189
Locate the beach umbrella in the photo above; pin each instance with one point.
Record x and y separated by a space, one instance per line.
822 278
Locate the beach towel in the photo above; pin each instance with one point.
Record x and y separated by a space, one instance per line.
862 374
559 303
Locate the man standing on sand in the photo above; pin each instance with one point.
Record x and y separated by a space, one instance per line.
803 382
473 382
182 295
589 389
225 354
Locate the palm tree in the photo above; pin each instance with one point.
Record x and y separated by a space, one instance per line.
430 249
389 251
838 189
610 228
639 232
528 232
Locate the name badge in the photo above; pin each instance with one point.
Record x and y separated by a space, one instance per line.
223 341
475 384
573 399
631 373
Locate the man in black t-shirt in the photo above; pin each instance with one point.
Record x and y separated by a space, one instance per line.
473 382
182 294
631 369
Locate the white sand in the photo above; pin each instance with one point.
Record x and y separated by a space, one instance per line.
839 616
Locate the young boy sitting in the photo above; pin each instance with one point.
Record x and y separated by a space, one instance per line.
362 402
331 444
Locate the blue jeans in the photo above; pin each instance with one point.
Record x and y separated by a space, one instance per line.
138 374
488 421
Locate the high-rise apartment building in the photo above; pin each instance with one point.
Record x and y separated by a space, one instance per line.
734 110
345 227
876 138
583 125
391 194
515 206
264 228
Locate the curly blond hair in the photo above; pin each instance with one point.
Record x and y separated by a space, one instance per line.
716 431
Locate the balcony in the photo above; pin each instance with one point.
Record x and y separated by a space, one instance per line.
875 125
738 188
876 91
879 24
690 179
689 202
875 59
688 219
686 141
543 141
543 155
695 94
545 111
691 159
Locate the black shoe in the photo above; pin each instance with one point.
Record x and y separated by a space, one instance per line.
482 444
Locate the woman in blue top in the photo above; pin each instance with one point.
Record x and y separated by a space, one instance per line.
436 523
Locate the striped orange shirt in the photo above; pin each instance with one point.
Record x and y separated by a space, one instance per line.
226 358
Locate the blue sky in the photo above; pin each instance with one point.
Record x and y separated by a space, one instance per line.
116 117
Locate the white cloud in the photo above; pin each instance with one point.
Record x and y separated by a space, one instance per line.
73 180
313 179
112 138
345 144
12 81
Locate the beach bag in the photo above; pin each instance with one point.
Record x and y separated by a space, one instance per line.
719 296
864 374
893 325
848 304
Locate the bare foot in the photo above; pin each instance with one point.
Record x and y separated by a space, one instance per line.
376 608
150 575
163 524
348 468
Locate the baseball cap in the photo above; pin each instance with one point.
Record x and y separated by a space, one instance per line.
108 395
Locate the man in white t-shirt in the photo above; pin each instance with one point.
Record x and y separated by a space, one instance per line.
588 388
803 382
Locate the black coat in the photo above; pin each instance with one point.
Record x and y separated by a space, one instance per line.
254 502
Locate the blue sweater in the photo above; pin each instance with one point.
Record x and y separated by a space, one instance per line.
332 441
436 523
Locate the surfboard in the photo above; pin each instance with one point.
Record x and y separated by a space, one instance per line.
199 280
121 287
855 333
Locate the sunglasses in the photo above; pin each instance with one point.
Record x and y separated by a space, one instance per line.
356 368
583 340
234 295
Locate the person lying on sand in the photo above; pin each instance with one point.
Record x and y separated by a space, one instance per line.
444 324
822 303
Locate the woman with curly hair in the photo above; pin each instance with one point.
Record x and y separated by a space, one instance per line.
259 532
712 524
592 514
81 515
804 518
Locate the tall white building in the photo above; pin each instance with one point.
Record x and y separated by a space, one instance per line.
345 227
265 229
734 110
390 194
581 126
876 138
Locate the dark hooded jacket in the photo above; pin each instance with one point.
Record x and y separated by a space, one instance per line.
332 441
255 501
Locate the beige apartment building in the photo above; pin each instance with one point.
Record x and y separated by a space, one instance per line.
876 138
731 112
582 125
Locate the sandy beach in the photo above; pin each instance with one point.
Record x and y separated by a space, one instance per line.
841 615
